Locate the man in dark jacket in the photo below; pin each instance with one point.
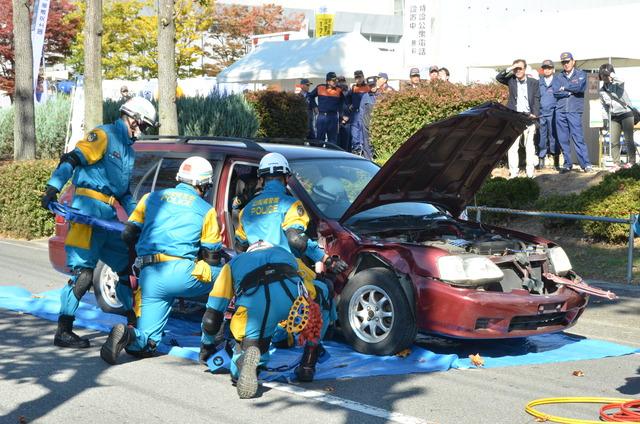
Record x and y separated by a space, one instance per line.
524 96
569 87
547 143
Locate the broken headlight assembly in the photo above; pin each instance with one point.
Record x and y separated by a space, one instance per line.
468 270
559 260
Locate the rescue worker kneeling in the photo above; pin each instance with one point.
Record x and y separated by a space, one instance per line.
178 246
265 283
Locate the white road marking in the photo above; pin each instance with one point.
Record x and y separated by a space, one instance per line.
24 245
345 403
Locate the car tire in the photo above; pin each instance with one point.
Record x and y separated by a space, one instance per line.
104 285
374 297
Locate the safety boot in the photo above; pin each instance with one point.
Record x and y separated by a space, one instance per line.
206 351
119 337
307 368
65 337
247 384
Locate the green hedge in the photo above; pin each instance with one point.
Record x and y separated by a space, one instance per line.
214 115
21 186
52 118
517 193
281 114
398 115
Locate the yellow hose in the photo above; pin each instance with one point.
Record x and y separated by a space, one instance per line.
548 401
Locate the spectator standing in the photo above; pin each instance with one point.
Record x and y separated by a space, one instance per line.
443 74
124 93
524 96
414 79
382 83
615 100
434 73
311 108
361 141
344 121
330 100
354 97
568 88
548 143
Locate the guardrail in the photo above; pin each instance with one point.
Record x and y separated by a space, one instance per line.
630 221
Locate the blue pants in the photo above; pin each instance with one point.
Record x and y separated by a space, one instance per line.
160 284
311 125
84 246
327 126
548 141
569 126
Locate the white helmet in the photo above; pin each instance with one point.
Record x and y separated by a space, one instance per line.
196 171
273 164
141 110
329 190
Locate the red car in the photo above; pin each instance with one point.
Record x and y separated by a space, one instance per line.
414 266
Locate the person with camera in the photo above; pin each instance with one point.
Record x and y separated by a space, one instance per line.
616 102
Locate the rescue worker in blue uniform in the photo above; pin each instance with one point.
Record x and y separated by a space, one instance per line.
101 166
361 144
265 283
330 99
179 247
354 96
547 143
569 87
276 217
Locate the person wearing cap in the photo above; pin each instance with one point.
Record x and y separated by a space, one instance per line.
524 96
443 74
330 99
344 116
548 142
311 106
434 73
124 93
352 105
414 79
361 140
568 88
382 82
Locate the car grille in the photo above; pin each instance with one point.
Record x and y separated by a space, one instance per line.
532 322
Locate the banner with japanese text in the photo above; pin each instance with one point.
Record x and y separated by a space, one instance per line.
38 29
324 22
417 37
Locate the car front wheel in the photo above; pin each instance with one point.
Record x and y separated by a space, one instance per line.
104 289
375 314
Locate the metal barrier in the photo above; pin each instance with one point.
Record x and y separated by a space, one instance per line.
630 221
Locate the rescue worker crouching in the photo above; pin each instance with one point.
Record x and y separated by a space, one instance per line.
101 166
278 218
265 284
179 246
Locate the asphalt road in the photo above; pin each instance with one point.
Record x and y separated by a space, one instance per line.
43 384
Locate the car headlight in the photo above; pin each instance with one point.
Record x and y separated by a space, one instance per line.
559 261
468 270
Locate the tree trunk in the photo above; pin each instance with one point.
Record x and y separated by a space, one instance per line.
93 65
167 109
24 124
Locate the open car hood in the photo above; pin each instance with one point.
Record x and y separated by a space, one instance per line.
445 163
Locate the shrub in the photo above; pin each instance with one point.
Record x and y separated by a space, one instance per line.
51 121
517 193
398 115
281 114
21 185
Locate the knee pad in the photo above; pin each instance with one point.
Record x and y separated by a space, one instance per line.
82 282
211 321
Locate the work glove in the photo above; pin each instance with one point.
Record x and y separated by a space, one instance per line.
50 195
335 265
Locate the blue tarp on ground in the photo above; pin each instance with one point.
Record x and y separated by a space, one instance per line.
430 353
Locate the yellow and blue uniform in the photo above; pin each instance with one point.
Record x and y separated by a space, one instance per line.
261 302
175 223
266 217
105 159
330 102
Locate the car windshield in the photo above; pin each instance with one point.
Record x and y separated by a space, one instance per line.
333 184
401 215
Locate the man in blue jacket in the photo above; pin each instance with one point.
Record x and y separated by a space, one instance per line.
311 108
547 143
178 243
569 87
524 96
330 99
101 166
361 138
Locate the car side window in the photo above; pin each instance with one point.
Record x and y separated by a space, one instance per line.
144 173
242 186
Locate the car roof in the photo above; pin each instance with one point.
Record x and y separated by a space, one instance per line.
292 149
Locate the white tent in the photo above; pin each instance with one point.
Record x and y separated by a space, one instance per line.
286 62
